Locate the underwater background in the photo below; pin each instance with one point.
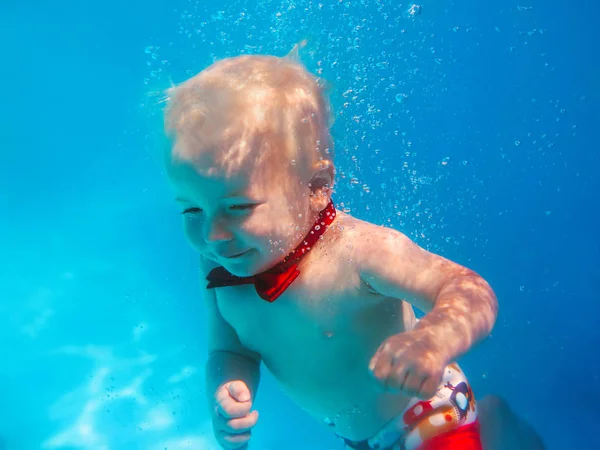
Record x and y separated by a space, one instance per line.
470 126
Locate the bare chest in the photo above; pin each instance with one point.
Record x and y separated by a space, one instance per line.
318 309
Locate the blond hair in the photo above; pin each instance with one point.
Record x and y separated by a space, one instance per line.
248 102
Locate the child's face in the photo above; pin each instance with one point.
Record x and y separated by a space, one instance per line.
245 218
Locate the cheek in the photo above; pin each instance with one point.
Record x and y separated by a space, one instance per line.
255 228
273 227
193 232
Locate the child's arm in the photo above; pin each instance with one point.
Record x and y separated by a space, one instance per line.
461 307
228 360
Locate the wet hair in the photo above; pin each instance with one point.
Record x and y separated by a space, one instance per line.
259 102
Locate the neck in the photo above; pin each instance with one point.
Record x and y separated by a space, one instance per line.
310 235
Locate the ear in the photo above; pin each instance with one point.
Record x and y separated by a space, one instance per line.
321 184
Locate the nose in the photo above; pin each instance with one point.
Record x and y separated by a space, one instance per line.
216 231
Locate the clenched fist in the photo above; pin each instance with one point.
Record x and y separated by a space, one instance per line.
411 363
232 419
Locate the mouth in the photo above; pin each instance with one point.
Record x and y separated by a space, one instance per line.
235 255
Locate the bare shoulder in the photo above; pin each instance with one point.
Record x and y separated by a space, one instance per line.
372 246
393 265
378 248
368 238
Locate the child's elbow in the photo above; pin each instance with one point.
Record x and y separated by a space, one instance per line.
484 297
489 301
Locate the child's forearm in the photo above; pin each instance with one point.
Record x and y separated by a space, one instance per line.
464 313
223 366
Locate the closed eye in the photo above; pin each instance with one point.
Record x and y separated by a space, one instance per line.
191 210
242 206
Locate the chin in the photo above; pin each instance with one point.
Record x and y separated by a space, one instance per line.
250 266
242 267
239 270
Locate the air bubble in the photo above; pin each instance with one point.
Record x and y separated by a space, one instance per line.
401 97
415 10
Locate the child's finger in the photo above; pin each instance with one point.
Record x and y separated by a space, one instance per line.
412 384
242 424
228 408
239 391
380 367
233 441
397 378
429 388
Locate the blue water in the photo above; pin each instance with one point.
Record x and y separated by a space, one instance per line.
470 127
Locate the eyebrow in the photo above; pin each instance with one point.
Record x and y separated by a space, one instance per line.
236 194
228 197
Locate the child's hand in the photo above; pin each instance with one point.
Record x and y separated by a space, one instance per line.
410 363
232 418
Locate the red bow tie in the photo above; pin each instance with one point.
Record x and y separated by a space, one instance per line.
271 283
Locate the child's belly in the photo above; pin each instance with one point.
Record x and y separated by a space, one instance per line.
320 351
341 393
